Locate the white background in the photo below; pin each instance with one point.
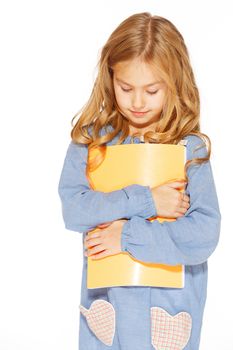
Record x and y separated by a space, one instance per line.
49 51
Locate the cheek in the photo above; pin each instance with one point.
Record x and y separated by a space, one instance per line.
122 99
163 97
158 102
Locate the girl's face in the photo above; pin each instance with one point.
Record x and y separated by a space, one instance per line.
140 94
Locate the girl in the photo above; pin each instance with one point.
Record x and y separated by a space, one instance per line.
145 91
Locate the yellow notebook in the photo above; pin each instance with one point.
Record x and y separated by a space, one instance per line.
149 165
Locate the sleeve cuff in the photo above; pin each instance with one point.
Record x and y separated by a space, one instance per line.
132 237
125 236
140 200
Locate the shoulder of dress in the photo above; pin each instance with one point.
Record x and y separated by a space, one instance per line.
191 139
76 151
196 147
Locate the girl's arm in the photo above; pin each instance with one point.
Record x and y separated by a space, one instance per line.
83 208
190 239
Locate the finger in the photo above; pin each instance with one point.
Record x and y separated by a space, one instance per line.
92 242
102 225
106 224
185 205
186 198
182 211
179 214
92 235
177 184
182 203
96 249
100 255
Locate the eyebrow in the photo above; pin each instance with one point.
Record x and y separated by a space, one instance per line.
154 83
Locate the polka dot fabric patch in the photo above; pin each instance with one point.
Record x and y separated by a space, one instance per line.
169 332
101 320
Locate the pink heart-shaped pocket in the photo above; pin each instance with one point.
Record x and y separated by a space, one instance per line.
169 332
101 320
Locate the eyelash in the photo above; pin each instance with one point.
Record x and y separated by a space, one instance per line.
151 93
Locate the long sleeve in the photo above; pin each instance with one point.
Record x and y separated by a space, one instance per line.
189 240
83 208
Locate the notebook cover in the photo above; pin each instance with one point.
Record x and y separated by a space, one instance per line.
145 164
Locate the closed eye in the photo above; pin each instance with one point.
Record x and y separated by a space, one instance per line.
126 90
152 92
149 92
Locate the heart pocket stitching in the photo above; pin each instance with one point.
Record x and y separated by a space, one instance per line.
169 332
101 320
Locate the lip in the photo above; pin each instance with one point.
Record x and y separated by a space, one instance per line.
138 114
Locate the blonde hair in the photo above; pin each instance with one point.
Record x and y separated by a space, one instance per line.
156 41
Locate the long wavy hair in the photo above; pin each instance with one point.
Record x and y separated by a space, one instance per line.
157 42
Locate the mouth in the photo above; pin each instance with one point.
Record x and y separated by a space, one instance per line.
138 114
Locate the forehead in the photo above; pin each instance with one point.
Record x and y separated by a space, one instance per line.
136 73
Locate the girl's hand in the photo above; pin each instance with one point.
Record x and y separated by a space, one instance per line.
170 202
106 241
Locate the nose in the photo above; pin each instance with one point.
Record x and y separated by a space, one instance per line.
138 102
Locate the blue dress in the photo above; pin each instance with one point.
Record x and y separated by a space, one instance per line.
144 318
